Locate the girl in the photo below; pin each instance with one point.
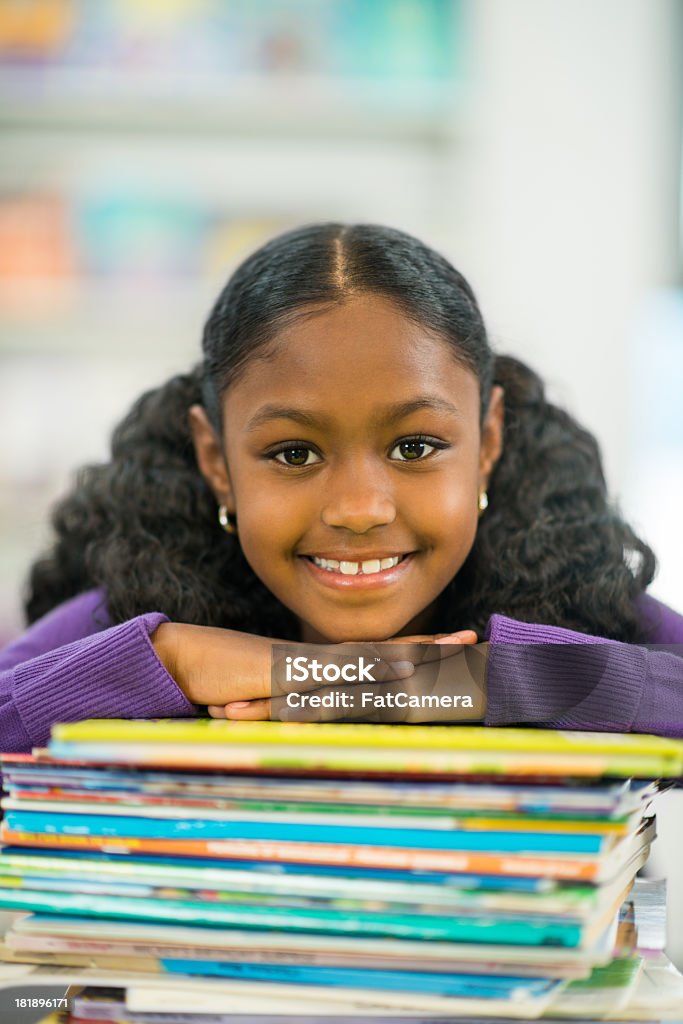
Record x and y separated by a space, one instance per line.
349 462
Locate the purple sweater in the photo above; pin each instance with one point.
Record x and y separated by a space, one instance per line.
73 664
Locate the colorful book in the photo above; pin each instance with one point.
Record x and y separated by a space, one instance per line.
613 799
575 868
610 797
314 760
348 874
415 868
136 877
477 986
150 957
402 737
371 748
311 814
528 931
277 830
273 944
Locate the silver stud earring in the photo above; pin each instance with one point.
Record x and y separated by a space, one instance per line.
228 522
483 501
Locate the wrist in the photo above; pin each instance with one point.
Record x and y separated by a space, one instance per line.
166 643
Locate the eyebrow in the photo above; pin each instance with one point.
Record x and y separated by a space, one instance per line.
390 414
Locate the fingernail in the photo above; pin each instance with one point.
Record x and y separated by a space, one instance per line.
238 704
403 668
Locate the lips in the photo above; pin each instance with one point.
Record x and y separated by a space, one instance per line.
358 575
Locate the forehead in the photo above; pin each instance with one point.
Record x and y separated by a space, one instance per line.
354 355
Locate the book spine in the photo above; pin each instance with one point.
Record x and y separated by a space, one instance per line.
142 805
421 927
29 945
472 986
276 758
169 828
402 737
562 868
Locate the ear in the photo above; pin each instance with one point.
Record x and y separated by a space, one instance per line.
210 458
491 436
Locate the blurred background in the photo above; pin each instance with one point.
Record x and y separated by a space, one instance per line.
147 145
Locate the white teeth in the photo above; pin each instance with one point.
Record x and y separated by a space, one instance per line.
366 568
372 565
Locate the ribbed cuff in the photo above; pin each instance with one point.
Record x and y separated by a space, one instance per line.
546 675
15 739
112 674
661 707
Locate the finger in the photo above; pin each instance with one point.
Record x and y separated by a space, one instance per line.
381 668
465 636
463 676
425 653
216 710
248 710
426 648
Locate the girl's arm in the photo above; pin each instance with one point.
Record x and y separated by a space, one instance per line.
559 678
72 664
104 673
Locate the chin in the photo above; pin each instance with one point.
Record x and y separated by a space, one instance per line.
357 633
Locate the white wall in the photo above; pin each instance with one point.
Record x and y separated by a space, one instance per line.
572 173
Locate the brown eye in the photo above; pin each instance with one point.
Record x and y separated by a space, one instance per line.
296 457
411 450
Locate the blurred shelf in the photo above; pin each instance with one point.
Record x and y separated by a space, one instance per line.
88 316
31 99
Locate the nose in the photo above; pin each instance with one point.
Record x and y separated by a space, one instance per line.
359 497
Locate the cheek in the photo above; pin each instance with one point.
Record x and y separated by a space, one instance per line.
267 525
452 514
452 498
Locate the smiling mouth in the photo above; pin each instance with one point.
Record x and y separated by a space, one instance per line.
368 567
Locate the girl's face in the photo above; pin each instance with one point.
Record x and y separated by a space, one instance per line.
353 459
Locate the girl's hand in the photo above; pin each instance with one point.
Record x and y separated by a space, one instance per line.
259 708
231 672
462 636
214 666
447 666
436 640
461 672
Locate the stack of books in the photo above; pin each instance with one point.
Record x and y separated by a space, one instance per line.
212 867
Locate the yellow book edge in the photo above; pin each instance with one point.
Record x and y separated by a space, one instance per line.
414 737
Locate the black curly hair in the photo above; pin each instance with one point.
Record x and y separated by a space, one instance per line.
143 526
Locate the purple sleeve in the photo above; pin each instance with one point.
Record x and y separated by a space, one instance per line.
72 665
561 679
